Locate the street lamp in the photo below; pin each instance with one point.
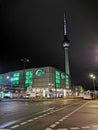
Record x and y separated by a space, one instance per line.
93 78
24 60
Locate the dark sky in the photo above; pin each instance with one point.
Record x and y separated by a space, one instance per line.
34 29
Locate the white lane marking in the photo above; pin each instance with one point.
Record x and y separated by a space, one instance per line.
67 116
23 123
61 120
35 118
62 129
64 118
57 122
30 120
15 126
48 129
52 126
85 127
40 116
75 128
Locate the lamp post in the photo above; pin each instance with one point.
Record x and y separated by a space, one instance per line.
93 78
11 83
24 60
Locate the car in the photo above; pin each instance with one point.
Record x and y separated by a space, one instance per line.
26 96
7 97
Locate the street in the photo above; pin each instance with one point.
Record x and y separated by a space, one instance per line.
49 115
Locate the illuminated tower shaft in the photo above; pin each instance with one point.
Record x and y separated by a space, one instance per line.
66 44
66 62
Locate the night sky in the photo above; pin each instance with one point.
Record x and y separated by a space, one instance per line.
34 29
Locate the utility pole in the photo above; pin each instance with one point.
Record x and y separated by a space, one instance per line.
24 60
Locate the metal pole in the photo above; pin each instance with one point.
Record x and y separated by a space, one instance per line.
94 85
24 60
24 74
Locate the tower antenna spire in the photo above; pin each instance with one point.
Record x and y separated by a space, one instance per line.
65 32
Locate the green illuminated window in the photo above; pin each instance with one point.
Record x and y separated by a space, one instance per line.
16 77
67 81
57 73
29 79
57 79
67 77
1 77
57 85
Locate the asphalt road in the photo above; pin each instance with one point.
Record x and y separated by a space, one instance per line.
73 115
12 111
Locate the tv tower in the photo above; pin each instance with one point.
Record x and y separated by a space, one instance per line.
66 44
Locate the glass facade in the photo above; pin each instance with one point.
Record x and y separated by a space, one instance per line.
45 77
57 77
16 78
29 79
67 81
1 77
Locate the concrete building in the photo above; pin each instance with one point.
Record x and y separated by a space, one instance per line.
44 81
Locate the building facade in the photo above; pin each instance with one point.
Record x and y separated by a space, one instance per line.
47 81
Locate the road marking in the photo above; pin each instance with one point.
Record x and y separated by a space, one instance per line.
75 128
61 120
35 118
72 128
48 129
64 118
85 127
15 126
52 126
57 122
30 120
23 123
62 129
40 116
67 116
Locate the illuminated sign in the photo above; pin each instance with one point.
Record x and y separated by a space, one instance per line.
62 75
39 72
